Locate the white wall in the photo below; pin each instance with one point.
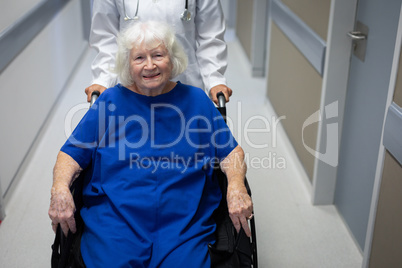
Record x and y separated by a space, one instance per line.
229 9
10 12
31 83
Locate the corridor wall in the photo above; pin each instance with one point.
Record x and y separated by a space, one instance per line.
33 80
295 69
10 12
251 30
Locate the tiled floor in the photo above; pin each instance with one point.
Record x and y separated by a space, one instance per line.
291 232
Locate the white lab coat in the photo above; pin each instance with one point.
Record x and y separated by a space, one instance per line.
201 37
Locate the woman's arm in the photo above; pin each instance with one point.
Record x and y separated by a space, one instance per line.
62 207
212 49
239 202
104 28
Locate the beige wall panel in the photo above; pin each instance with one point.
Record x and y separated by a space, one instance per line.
315 13
294 89
244 24
398 86
387 238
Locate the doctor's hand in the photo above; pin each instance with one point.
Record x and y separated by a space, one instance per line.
92 88
62 209
240 207
225 90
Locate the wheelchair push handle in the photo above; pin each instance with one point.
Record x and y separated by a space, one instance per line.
221 99
221 104
95 94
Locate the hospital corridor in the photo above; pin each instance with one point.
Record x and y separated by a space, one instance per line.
316 122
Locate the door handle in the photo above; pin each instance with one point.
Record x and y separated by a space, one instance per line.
357 35
359 38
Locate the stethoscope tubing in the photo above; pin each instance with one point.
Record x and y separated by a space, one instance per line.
125 11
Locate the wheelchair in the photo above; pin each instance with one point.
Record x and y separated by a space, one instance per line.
231 249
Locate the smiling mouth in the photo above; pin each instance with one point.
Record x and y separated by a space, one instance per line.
151 76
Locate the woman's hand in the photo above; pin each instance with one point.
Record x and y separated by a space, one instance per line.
240 206
62 205
92 88
220 88
239 202
62 209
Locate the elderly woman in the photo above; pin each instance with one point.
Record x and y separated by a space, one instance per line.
151 144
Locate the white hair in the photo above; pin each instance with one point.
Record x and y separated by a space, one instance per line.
149 33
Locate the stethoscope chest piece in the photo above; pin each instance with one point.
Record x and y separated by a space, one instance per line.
186 15
128 18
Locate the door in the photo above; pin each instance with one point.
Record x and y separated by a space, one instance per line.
364 114
384 235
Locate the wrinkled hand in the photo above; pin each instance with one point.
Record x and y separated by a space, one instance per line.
216 89
93 88
62 209
240 207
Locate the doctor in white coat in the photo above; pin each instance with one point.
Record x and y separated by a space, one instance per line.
199 26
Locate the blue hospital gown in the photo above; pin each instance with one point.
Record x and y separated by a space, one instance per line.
150 199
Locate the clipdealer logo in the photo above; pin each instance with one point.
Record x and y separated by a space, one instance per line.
331 149
257 132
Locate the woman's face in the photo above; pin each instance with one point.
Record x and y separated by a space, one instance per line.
150 68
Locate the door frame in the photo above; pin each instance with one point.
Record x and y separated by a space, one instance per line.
382 149
334 87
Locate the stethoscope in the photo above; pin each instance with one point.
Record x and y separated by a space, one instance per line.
185 16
